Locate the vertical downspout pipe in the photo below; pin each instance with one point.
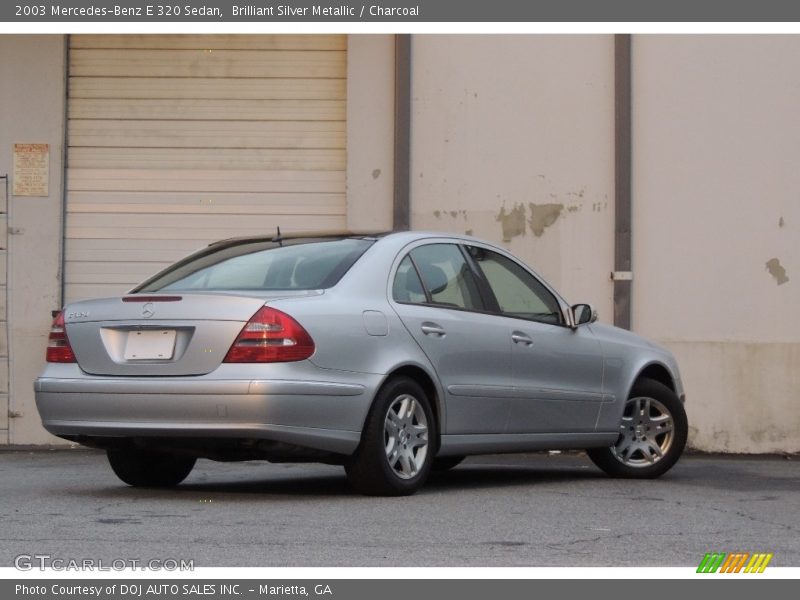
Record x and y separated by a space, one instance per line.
64 158
622 181
402 133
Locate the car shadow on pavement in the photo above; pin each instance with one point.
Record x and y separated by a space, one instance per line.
287 481
482 476
463 478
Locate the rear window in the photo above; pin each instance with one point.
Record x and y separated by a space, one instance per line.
262 266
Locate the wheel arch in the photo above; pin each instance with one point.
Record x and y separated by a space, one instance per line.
655 371
428 382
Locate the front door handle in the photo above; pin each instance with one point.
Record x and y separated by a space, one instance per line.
520 338
432 329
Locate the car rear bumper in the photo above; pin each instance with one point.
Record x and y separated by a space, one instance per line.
323 415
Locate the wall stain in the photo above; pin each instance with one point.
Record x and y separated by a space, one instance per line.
578 194
777 271
468 232
454 214
781 222
513 222
376 173
543 216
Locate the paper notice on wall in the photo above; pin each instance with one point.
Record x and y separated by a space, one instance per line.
31 169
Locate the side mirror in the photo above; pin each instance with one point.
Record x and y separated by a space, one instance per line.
583 313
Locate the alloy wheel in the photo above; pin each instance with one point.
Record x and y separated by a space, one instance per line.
406 436
646 433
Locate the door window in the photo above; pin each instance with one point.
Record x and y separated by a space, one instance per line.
446 279
407 285
518 293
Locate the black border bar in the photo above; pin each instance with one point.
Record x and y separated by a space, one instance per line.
455 11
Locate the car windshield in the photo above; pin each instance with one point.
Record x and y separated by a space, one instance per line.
262 266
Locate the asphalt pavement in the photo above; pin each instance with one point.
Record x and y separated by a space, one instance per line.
512 510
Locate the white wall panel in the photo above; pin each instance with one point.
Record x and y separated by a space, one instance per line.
715 229
178 140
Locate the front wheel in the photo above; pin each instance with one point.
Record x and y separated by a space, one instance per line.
652 434
142 468
397 445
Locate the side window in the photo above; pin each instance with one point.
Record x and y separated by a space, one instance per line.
518 293
447 276
407 287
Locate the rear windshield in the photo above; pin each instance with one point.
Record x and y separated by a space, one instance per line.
262 266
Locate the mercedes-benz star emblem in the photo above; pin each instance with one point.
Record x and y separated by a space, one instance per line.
148 310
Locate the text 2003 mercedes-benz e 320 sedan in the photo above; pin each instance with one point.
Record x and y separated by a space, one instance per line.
391 355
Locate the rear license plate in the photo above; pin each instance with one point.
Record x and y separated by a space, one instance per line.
150 344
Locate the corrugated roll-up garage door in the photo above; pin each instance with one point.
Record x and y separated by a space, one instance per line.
177 141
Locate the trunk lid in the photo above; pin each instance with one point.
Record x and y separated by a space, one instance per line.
159 334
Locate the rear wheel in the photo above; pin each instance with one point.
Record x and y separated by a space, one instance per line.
652 434
396 450
142 468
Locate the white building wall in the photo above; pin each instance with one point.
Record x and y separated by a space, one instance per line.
32 97
513 141
370 132
716 258
34 109
175 141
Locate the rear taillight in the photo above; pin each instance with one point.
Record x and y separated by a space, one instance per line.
271 336
58 348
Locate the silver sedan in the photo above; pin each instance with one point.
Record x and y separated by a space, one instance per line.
392 355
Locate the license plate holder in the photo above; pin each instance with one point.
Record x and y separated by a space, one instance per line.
150 344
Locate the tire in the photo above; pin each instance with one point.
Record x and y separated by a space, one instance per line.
397 445
445 463
141 468
652 434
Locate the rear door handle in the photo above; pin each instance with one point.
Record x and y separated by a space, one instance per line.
520 338
433 329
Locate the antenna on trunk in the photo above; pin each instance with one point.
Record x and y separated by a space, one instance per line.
278 238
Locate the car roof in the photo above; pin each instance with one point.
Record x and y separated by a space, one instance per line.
313 236
309 235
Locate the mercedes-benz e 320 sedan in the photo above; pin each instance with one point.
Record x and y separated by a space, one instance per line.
391 355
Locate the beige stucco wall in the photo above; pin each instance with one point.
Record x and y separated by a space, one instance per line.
716 258
370 132
513 140
33 111
503 126
32 97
